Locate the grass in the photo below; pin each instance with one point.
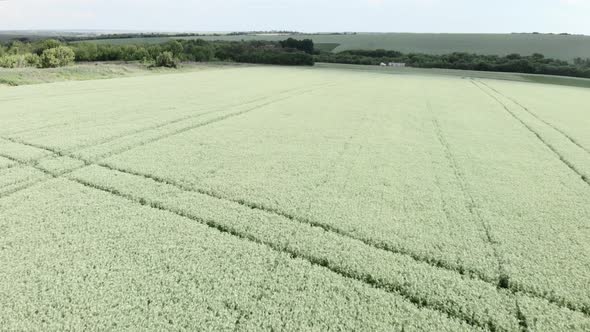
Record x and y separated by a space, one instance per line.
554 46
260 197
89 71
24 76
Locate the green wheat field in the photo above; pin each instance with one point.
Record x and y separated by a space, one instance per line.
266 198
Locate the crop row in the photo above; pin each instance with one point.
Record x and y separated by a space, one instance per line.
360 154
526 188
396 192
6 163
14 178
76 258
475 302
60 162
368 173
420 283
390 208
93 111
563 109
571 153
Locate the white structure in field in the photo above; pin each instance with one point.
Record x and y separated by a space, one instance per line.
396 64
383 64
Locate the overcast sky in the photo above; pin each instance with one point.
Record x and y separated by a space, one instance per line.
302 15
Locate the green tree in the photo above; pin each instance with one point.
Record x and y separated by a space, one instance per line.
305 45
86 51
17 47
57 57
166 59
32 60
175 47
46 44
580 62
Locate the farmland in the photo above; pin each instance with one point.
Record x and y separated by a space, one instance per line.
91 71
261 197
552 46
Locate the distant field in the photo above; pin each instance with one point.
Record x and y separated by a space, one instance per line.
5 37
326 47
555 46
35 35
269 198
466 74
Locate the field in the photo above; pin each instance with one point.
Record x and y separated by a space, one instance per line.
267 198
93 71
554 46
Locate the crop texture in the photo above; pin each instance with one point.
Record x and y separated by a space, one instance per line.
264 198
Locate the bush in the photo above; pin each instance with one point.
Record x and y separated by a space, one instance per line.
174 47
32 60
86 51
12 61
166 59
57 57
19 61
148 62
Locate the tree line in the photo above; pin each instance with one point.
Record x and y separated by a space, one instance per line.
295 53
532 64
54 53
42 54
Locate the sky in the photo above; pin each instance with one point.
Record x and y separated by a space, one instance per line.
468 16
